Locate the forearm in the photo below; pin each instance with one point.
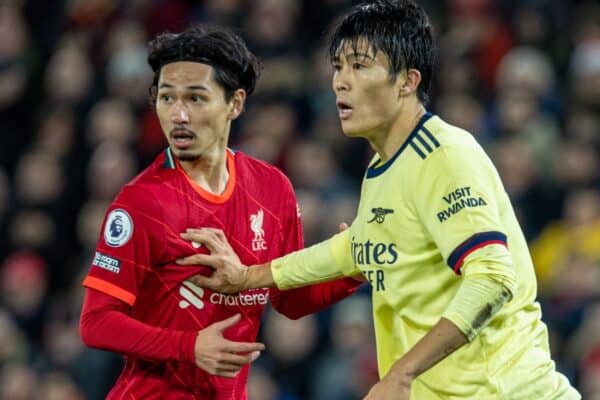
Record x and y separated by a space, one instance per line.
322 262
442 340
476 302
106 325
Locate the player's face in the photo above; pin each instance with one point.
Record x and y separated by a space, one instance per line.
192 110
368 101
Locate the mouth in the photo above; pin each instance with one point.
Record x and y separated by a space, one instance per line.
182 138
344 109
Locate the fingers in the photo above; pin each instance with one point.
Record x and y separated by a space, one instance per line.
342 226
226 374
204 281
240 359
359 277
214 239
200 259
226 323
245 347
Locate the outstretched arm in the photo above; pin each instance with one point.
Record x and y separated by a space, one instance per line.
323 262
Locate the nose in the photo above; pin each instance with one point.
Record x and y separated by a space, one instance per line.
180 114
340 81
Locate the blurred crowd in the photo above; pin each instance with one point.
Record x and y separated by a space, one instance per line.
76 124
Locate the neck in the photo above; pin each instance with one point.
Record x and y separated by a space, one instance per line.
209 171
387 142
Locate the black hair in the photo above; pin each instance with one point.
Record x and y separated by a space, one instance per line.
398 28
235 67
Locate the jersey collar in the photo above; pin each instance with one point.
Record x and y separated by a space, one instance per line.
171 163
376 170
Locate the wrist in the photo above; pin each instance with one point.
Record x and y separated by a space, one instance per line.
246 279
403 373
188 347
258 276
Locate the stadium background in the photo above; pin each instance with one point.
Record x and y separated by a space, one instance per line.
75 125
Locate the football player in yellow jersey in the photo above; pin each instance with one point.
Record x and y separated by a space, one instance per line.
435 234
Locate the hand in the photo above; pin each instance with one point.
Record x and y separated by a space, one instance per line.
219 356
390 388
230 274
214 239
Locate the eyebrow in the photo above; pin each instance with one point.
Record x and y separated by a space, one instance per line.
191 87
337 58
360 55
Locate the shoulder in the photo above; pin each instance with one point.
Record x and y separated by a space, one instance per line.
261 172
437 136
454 145
142 192
459 157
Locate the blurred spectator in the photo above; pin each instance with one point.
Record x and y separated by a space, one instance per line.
18 63
111 120
39 180
111 166
567 252
271 29
590 371
56 132
342 366
127 74
291 345
18 382
24 282
267 129
13 344
59 386
533 200
585 72
69 75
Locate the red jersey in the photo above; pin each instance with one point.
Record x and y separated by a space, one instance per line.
135 263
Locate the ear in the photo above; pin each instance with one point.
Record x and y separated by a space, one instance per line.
411 80
236 104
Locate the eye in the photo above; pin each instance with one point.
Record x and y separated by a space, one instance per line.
167 98
357 66
337 66
196 98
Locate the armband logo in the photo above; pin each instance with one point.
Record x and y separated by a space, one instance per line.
106 262
118 229
458 200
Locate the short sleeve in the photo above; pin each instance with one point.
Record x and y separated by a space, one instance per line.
130 246
456 196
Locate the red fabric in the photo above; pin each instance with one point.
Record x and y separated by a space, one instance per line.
135 263
106 324
299 302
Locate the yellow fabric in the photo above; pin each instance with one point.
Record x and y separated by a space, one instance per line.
439 201
321 262
476 302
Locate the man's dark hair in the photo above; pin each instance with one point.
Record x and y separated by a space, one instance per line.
235 67
400 29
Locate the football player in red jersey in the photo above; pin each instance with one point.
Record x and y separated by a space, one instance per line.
182 341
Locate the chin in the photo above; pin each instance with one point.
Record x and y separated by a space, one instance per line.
352 131
185 155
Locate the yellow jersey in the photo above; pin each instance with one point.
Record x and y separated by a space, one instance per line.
437 209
